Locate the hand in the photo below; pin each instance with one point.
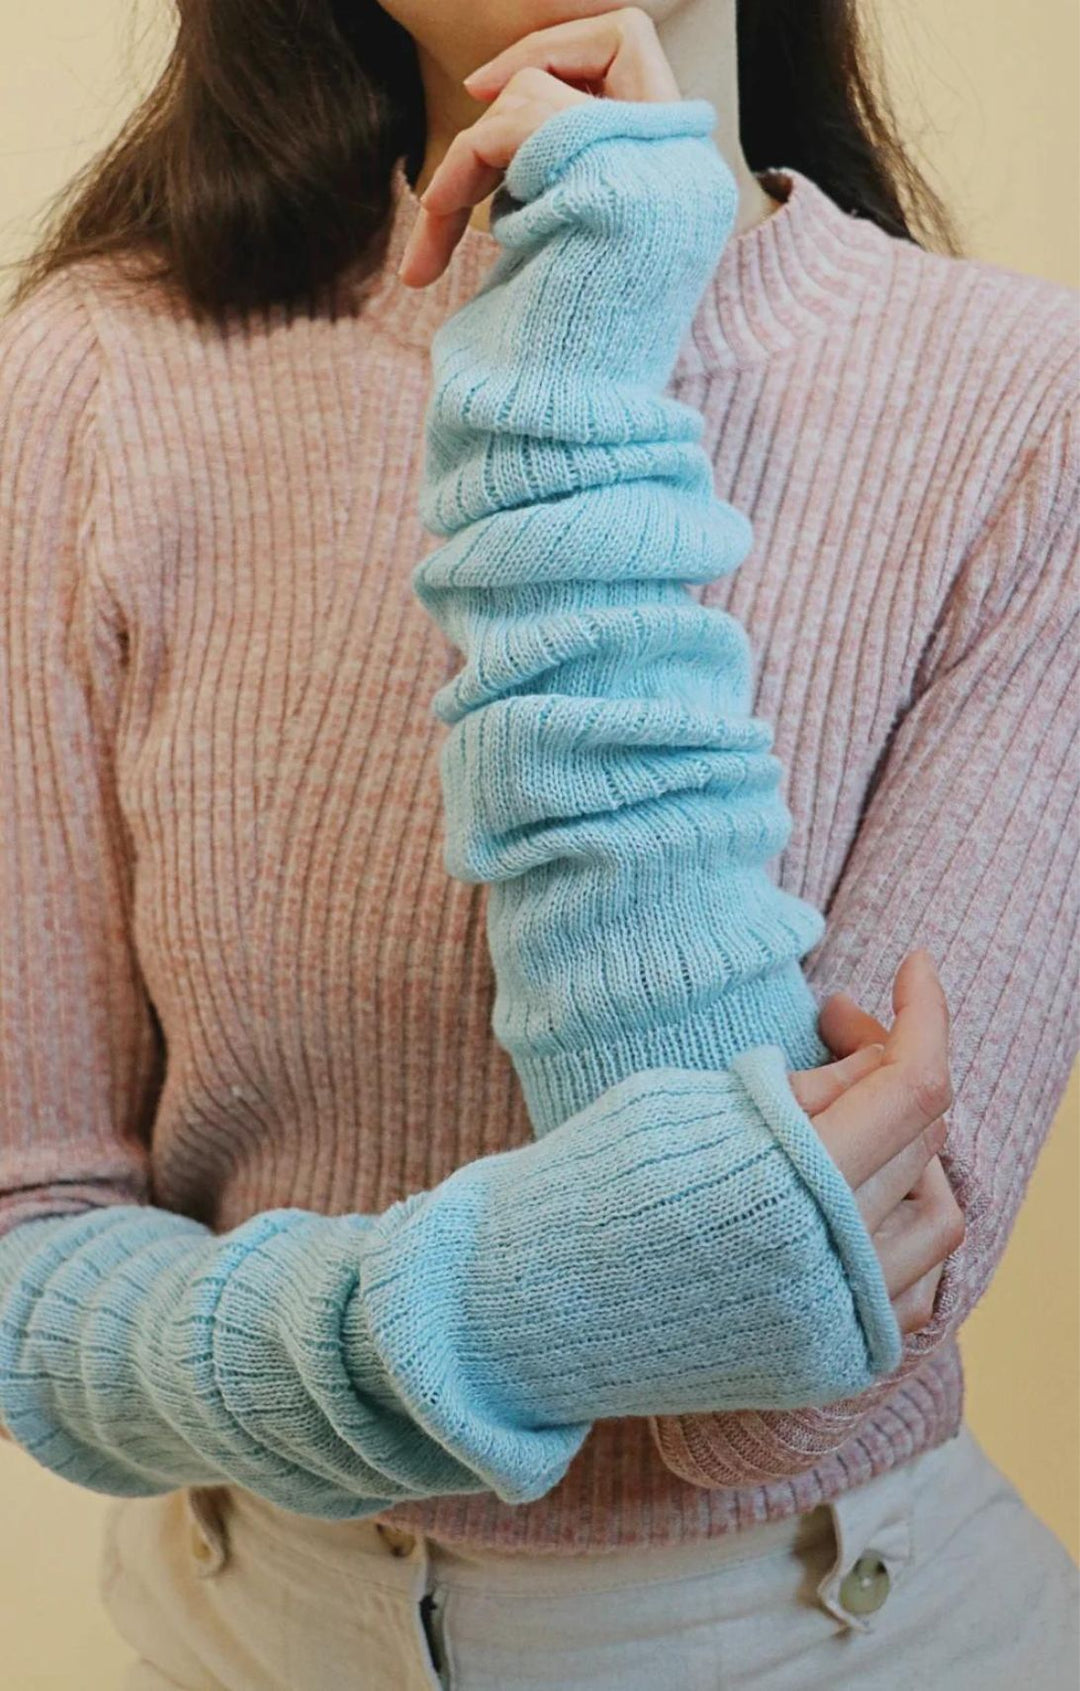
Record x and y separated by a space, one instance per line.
846 1028
880 1112
617 55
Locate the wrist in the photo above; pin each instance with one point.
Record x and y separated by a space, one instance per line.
625 206
661 1252
546 156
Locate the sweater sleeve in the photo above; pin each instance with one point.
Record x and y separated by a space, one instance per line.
462 1340
969 846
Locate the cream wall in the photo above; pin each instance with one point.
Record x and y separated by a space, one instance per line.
991 93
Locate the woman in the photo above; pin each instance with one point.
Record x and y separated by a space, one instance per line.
111 683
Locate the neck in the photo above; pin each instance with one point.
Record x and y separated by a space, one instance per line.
698 38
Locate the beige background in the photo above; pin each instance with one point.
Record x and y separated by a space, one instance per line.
990 93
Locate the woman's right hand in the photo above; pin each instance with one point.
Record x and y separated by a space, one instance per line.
615 53
880 1113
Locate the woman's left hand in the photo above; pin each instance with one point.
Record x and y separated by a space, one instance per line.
616 55
846 1027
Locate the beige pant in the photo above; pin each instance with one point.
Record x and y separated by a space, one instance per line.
934 1575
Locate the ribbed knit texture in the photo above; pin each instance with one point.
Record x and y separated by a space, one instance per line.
239 820
604 771
663 1250
686 1245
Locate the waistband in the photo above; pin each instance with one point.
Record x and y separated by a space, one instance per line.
645 1564
221 1510
403 1560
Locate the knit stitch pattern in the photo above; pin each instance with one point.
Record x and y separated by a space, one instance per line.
603 769
659 1252
234 974
681 1242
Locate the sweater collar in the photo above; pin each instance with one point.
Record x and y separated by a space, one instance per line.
777 283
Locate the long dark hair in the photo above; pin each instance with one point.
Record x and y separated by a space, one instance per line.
258 168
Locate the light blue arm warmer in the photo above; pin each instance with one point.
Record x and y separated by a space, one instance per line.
679 1245
603 770
680 1242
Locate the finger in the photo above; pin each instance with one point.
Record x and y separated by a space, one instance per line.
920 1233
918 1041
910 1246
889 1108
873 1121
914 1308
935 1191
477 156
816 1089
901 1177
431 241
921 1025
470 170
619 50
844 1025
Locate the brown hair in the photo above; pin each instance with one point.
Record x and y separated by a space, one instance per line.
258 168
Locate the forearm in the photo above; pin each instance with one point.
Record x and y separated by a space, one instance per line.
969 848
464 1339
140 1352
603 771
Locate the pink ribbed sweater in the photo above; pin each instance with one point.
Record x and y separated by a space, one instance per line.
234 974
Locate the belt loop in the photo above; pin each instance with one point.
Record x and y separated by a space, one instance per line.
872 1523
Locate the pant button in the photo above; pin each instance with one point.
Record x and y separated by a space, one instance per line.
866 1586
398 1543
